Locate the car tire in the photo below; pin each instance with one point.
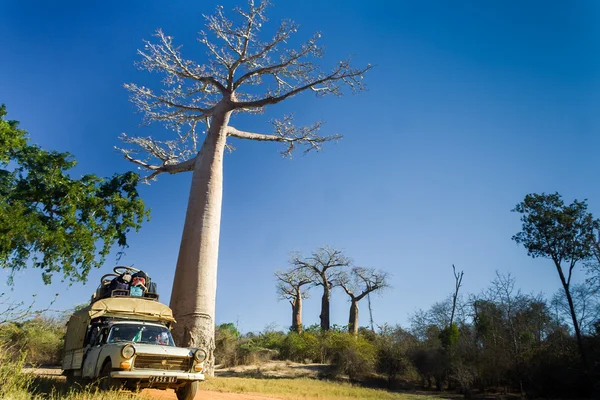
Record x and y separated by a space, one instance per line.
187 392
72 380
107 382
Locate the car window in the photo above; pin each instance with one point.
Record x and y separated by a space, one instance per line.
147 334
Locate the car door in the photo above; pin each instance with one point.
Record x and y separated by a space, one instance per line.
90 361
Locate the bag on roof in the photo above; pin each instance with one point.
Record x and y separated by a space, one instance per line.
118 284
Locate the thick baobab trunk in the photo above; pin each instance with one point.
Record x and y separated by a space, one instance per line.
297 314
353 320
195 285
325 308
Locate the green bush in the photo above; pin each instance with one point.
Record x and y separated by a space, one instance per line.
270 339
393 347
14 382
301 347
449 336
352 355
232 349
226 345
41 339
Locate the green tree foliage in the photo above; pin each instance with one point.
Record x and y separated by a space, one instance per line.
449 336
563 233
55 223
551 229
393 347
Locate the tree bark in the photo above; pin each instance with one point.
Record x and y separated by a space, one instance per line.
195 284
297 314
574 319
353 320
325 325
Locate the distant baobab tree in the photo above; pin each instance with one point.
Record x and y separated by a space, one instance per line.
324 267
289 287
358 285
244 73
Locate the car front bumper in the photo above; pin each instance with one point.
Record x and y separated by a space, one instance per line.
150 373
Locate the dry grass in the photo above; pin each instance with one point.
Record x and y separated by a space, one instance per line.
46 385
304 388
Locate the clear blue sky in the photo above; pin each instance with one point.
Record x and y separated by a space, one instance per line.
472 105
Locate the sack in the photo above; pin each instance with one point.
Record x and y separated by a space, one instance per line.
118 284
136 291
152 287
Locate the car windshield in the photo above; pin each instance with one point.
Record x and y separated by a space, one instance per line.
136 333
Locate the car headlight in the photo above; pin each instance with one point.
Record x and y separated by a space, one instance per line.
200 355
128 351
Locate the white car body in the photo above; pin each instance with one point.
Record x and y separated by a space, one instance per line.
158 360
98 335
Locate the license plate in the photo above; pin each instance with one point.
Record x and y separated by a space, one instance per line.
163 379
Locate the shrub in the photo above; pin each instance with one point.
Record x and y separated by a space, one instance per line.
349 354
14 382
393 347
270 339
449 336
41 339
226 345
301 347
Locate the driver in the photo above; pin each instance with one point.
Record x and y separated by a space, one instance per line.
162 338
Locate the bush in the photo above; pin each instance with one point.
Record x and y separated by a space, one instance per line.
41 339
226 345
232 349
270 339
351 355
301 347
393 347
14 382
449 336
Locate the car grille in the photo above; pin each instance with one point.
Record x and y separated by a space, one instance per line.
161 362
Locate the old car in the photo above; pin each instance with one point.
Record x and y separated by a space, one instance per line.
125 341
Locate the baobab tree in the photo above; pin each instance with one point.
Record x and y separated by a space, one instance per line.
358 285
289 287
244 73
323 266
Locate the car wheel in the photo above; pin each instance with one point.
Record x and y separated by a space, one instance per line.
106 381
72 380
187 392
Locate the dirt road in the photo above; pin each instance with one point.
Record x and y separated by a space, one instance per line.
204 395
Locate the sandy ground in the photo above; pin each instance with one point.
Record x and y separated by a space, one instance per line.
170 394
204 394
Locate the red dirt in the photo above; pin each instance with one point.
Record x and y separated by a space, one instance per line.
204 395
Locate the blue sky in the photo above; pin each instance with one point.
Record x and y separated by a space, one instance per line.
472 105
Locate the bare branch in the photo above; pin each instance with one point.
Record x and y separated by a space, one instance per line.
458 277
369 280
173 156
289 134
362 281
12 312
322 265
239 60
164 57
322 84
290 283
345 282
